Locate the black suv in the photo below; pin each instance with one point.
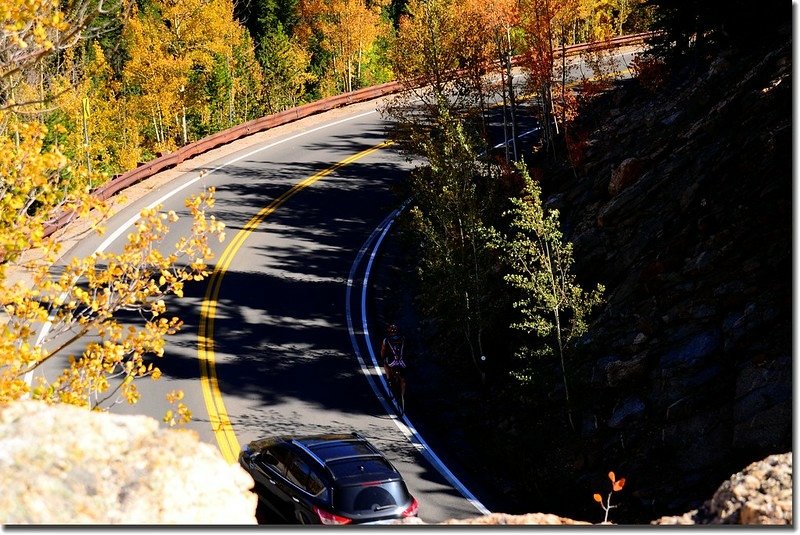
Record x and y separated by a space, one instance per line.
327 479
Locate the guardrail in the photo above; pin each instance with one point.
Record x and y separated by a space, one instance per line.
614 42
127 179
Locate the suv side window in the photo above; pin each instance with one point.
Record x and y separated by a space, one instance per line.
305 477
298 473
316 485
283 455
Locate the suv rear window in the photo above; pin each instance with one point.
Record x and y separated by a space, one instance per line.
361 499
375 467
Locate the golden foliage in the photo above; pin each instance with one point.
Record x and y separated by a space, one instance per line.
426 45
173 49
30 30
81 303
42 319
349 30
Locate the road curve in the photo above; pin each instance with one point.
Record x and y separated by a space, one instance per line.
273 326
266 346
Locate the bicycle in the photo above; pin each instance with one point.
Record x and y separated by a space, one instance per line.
392 357
397 389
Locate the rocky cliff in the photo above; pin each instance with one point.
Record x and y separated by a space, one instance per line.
680 203
684 210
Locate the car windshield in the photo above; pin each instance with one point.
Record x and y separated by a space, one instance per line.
370 498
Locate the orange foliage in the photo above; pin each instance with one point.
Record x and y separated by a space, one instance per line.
616 486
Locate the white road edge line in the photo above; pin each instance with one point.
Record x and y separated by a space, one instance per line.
529 132
374 370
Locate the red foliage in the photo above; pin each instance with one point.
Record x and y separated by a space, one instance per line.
650 72
577 140
591 88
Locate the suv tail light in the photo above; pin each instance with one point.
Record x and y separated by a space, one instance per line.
330 518
412 509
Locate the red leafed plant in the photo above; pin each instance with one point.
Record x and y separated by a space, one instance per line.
616 486
651 72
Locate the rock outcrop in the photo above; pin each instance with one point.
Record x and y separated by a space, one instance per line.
128 470
684 213
761 494
66 465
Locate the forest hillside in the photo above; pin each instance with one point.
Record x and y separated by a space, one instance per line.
676 194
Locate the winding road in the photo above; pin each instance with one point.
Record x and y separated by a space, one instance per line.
278 339
275 340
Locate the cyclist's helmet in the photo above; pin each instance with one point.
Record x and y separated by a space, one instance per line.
391 329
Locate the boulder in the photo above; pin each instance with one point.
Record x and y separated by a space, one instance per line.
61 464
761 494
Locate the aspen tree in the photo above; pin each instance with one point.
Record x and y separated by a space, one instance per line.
82 301
553 306
347 30
447 217
177 65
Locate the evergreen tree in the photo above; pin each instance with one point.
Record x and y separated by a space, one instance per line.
285 65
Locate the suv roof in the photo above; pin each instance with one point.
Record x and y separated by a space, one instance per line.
344 456
334 447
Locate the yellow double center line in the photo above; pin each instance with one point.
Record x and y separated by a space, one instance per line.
218 415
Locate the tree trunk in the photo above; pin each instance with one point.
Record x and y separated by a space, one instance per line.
183 125
557 318
511 98
505 108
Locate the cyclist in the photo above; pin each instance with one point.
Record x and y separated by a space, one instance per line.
392 356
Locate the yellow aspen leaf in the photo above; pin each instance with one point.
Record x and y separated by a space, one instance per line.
612 477
598 498
185 413
619 484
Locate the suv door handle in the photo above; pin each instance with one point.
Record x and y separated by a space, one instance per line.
297 500
271 481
